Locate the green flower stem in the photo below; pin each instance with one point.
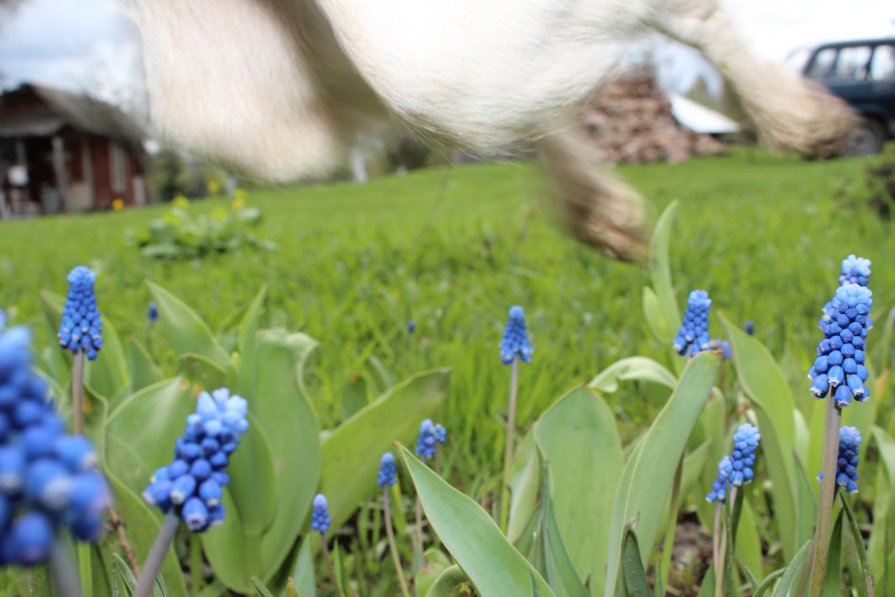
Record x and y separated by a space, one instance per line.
418 531
664 571
195 564
716 543
77 393
827 495
508 453
85 567
722 547
392 546
153 563
329 566
62 571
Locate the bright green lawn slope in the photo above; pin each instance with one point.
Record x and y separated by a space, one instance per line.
454 248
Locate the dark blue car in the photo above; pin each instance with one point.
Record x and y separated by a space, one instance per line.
863 74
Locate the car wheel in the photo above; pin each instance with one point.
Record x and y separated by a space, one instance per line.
865 138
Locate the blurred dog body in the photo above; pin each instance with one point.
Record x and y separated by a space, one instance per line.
281 88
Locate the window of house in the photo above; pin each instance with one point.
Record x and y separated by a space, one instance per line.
882 67
119 174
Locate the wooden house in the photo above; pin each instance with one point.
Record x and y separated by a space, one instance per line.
63 152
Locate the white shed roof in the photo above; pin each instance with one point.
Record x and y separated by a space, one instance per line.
700 119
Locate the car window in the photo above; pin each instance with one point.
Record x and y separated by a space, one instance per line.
853 63
823 60
882 67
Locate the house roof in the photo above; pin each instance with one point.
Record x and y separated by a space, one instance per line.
65 108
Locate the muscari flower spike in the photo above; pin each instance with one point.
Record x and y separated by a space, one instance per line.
855 270
81 328
847 462
320 520
719 486
47 478
693 335
411 326
192 485
738 468
839 368
388 473
515 341
440 434
152 312
425 442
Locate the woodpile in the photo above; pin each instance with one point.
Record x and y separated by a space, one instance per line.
631 122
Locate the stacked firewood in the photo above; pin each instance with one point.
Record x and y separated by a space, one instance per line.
631 122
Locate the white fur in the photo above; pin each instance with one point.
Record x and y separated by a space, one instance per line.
281 88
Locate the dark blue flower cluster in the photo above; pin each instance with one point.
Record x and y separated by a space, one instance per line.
847 462
738 468
47 478
839 367
515 339
388 473
152 312
320 520
426 440
81 328
693 336
193 483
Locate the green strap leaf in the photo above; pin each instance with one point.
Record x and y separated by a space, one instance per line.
351 453
583 453
471 536
651 470
632 567
769 394
793 571
449 583
185 329
632 368
659 263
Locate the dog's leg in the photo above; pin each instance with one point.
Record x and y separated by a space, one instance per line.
789 112
599 209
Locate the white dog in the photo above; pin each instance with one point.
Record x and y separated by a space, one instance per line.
281 88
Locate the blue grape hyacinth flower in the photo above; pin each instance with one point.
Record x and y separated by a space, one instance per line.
847 461
440 434
152 312
388 472
719 486
81 328
840 365
426 440
738 468
320 520
515 343
693 335
742 459
48 479
192 485
855 270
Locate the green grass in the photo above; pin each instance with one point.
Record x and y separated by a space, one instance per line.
453 248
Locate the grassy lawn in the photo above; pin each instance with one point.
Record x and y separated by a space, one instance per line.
453 248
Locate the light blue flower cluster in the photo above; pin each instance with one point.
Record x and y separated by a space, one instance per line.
839 367
847 461
320 520
47 478
693 335
388 473
426 440
440 434
739 467
81 328
719 485
193 483
514 343
855 270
